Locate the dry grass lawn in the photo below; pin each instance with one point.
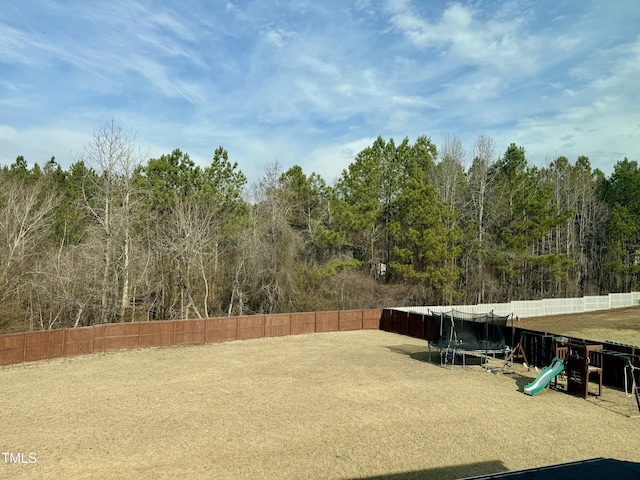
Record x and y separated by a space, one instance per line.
363 404
617 325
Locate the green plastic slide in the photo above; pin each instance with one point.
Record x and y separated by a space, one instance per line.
548 374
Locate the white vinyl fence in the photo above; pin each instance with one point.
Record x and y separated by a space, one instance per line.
536 308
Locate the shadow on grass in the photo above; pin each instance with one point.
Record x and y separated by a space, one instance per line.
522 382
453 472
416 352
419 353
422 354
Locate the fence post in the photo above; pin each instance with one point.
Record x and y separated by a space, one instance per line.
173 341
204 334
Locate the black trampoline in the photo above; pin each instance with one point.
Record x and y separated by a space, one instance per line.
459 333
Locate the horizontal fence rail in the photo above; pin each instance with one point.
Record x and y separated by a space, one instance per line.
47 344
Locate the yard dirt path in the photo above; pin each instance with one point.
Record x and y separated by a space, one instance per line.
335 405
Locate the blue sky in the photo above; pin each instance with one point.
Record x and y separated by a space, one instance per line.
313 83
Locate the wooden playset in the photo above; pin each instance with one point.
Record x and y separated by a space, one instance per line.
583 362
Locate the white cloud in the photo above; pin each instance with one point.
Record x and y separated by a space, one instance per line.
460 33
16 46
7 133
477 87
168 23
161 77
318 66
276 37
413 101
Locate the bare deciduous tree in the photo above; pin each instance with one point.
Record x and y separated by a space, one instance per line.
484 153
449 172
109 198
188 242
25 220
270 248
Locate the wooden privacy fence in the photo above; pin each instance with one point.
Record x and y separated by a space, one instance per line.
31 346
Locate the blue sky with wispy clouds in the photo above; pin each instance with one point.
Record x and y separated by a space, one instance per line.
313 83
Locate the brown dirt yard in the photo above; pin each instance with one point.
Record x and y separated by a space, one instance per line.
364 404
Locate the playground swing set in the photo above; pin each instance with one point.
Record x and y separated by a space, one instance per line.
578 363
632 372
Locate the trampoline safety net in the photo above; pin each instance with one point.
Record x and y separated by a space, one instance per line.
469 331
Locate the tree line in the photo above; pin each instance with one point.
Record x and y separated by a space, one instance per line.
119 237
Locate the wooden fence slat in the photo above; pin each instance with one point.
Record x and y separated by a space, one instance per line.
77 341
12 348
328 321
221 329
349 320
303 323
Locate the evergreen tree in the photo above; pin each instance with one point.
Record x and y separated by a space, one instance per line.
622 193
426 242
525 212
